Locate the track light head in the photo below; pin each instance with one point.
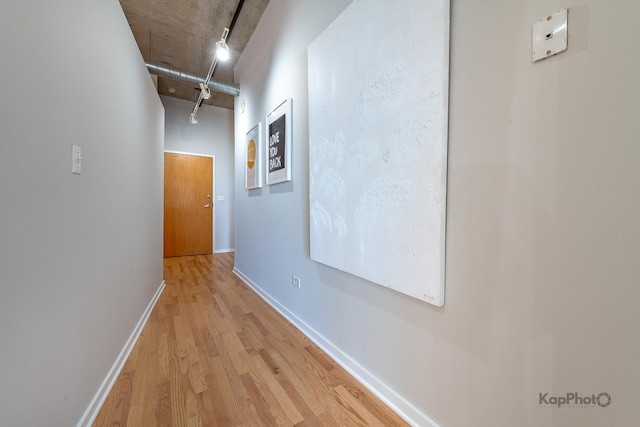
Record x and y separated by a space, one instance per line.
222 50
205 91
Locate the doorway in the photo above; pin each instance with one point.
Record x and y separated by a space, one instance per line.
188 204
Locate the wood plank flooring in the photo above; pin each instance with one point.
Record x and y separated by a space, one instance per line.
214 354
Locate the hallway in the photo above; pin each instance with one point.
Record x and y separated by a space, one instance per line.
213 353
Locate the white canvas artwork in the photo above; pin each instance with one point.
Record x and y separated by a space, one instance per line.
378 101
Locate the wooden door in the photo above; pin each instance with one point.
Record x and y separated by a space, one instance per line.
188 204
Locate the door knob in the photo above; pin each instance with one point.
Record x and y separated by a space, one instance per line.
208 205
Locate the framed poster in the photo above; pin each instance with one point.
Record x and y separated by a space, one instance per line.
253 147
279 144
378 144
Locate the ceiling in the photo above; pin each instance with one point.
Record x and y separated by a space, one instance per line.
181 34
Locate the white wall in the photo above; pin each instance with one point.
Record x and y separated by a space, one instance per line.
212 136
80 256
543 233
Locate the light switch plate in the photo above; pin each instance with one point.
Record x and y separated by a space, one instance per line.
76 159
550 35
295 281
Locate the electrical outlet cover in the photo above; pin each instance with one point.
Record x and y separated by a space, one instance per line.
550 35
76 160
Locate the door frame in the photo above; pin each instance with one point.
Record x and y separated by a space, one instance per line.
213 186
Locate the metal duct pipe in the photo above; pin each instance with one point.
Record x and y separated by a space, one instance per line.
172 73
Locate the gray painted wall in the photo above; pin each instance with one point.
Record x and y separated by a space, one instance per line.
543 233
212 136
80 256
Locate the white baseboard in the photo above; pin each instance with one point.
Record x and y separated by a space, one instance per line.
397 403
224 251
92 411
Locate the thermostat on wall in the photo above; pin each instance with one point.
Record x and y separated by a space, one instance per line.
550 35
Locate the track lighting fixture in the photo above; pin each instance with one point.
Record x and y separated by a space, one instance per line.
205 92
222 50
222 54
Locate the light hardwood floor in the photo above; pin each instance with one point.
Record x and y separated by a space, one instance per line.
214 354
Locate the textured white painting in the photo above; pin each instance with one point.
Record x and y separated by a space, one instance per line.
378 97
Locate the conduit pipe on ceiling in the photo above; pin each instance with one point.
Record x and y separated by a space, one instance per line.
172 73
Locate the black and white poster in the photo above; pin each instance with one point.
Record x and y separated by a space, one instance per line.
279 144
